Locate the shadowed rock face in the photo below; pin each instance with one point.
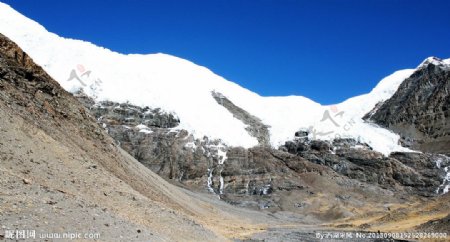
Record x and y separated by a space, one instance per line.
414 173
419 111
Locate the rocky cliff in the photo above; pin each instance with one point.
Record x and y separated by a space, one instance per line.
419 110
423 174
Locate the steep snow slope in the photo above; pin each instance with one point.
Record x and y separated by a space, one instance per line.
181 87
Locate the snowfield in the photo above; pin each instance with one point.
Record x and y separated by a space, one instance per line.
184 88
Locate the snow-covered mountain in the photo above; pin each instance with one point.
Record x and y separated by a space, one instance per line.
185 89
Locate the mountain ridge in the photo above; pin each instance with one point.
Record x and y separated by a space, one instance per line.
418 110
179 86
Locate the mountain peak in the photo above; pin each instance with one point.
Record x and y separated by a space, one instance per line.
435 61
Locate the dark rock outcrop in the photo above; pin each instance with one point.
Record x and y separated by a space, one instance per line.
128 114
255 126
414 173
420 109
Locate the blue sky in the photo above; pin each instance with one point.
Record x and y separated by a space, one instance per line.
325 50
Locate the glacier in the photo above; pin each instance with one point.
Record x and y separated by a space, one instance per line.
181 87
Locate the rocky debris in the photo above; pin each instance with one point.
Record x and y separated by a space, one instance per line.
436 226
419 109
408 172
347 143
257 177
302 144
255 127
112 113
